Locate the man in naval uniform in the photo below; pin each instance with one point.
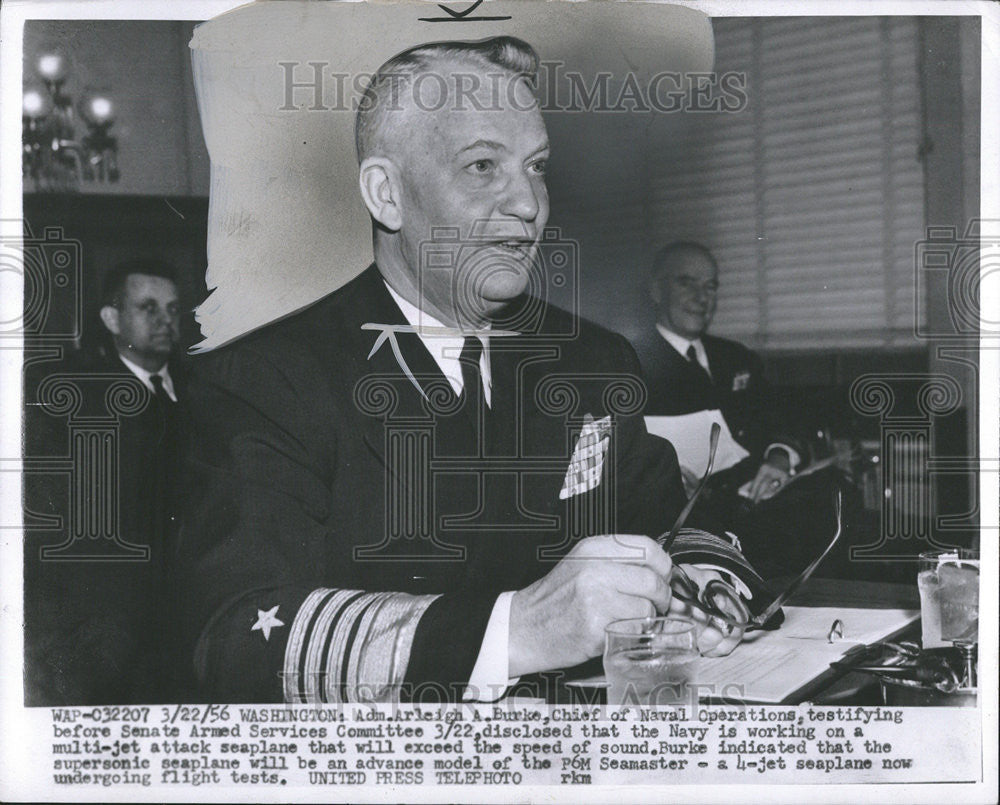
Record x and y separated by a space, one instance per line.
429 483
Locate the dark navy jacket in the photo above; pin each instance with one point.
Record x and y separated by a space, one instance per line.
313 466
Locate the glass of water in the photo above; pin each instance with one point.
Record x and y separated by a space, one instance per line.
949 597
650 661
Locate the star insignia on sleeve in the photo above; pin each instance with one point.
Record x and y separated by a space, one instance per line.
267 620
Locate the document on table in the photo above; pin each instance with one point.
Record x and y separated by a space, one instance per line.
859 625
689 434
769 669
771 666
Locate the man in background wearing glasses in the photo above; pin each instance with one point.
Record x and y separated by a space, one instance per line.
691 372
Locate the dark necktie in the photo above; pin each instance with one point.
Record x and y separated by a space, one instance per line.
692 357
159 391
472 351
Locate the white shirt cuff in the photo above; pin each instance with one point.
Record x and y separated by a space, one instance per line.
794 459
490 680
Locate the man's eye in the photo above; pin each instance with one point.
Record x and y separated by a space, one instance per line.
481 166
539 167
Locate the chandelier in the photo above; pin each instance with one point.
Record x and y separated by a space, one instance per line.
53 158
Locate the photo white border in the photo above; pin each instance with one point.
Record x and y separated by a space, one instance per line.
15 719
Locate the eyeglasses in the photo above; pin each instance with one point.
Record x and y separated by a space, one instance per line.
693 286
717 601
723 605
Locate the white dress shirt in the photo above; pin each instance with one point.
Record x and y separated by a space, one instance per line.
489 680
445 348
682 344
146 377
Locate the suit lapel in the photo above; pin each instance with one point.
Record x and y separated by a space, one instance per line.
374 306
722 369
178 374
694 384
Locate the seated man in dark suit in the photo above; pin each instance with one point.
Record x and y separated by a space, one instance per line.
693 371
140 309
427 483
95 604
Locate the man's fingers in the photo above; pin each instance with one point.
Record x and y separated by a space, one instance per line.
712 643
768 482
645 583
652 555
634 549
701 575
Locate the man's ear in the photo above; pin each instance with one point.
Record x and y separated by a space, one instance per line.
109 315
379 182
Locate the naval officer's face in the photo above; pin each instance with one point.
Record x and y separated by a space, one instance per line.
476 165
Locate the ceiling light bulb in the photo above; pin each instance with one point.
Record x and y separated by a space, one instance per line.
33 103
101 109
52 66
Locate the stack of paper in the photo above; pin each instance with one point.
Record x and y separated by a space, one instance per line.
770 667
689 434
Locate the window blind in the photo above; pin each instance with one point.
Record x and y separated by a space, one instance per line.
811 197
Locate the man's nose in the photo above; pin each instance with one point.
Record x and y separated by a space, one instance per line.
520 199
167 316
703 295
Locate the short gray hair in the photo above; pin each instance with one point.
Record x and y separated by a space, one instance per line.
505 52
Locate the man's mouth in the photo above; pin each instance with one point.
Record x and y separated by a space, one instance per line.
517 248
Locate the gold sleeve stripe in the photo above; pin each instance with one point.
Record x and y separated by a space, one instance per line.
348 645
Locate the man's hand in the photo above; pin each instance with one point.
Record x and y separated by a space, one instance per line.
715 639
559 620
771 477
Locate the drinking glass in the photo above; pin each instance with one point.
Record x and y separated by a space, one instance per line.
650 661
949 597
